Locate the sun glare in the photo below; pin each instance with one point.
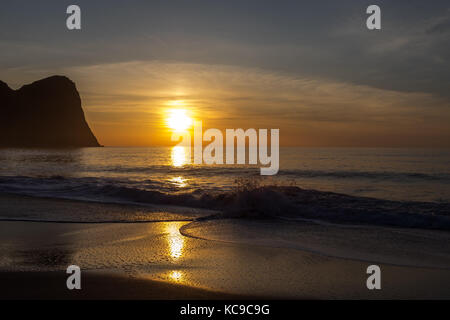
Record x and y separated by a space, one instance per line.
178 120
180 156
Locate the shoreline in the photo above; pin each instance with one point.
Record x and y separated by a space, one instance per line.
155 261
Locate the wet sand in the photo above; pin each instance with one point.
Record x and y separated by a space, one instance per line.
153 260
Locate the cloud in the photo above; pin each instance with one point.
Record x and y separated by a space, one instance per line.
311 68
129 100
229 97
440 25
327 39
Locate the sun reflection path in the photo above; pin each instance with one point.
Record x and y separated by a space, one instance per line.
180 156
179 181
175 241
176 276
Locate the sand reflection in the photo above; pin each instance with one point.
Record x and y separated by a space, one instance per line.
175 241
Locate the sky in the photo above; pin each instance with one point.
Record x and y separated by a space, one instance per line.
310 68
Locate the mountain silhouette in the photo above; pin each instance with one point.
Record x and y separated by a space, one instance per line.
45 113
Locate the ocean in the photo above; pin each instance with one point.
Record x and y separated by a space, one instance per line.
120 174
388 205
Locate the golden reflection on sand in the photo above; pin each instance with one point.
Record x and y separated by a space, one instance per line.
175 241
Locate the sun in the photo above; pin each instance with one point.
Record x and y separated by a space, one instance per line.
178 120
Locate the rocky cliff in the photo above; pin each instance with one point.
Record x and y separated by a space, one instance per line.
45 113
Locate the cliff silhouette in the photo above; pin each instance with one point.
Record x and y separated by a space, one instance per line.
45 113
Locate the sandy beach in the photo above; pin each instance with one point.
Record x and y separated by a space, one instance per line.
153 260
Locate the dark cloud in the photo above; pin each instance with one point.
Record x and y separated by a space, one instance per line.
322 39
441 25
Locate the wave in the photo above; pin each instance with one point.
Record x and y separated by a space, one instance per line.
246 200
218 170
380 175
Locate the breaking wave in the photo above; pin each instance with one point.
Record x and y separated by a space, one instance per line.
246 200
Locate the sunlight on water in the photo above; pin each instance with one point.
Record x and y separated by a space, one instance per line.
126 174
180 156
179 181
175 240
176 276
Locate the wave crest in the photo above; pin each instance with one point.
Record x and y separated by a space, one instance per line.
247 200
